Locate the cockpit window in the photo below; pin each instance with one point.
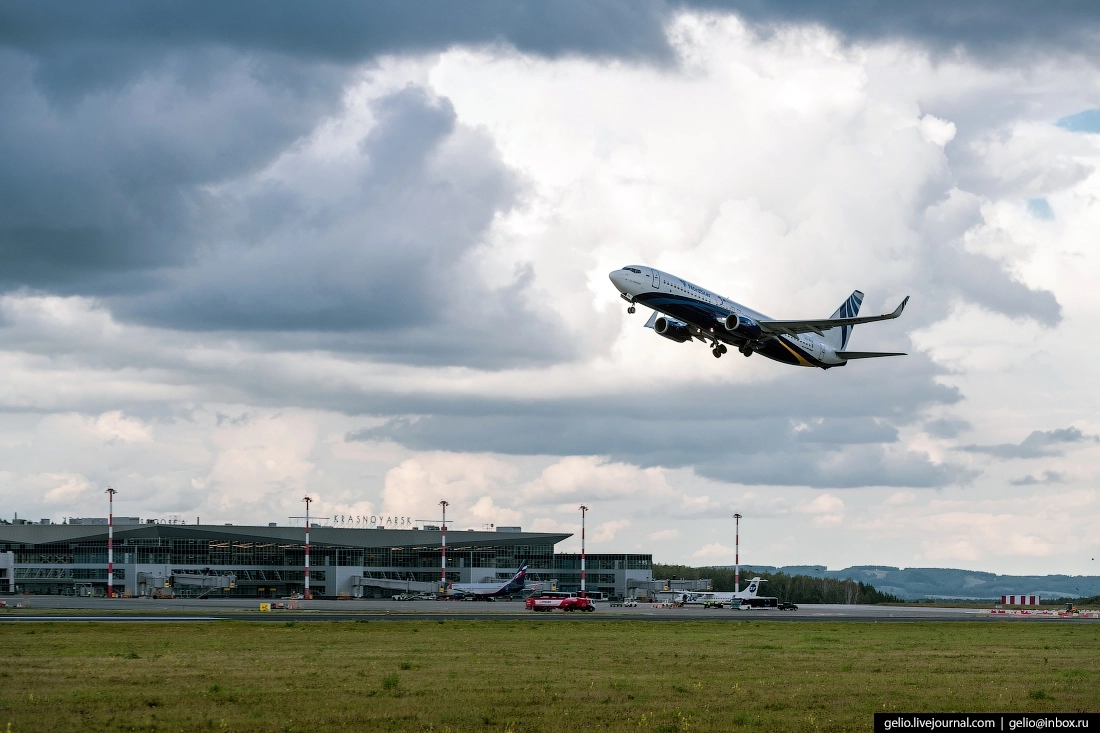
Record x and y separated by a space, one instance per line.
635 270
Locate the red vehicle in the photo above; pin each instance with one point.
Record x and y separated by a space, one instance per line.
566 603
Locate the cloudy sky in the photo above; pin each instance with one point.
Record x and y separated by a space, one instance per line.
252 251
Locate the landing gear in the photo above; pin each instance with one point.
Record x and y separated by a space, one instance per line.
718 350
746 350
717 353
631 310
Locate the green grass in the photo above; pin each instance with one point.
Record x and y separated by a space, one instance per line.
532 675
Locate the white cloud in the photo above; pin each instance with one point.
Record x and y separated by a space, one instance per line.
591 478
714 553
416 486
606 531
900 498
664 534
827 510
69 489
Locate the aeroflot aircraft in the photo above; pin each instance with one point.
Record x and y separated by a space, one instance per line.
491 590
684 311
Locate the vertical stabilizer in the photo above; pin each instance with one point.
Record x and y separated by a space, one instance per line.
838 337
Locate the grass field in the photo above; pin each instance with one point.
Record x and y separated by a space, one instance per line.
532 675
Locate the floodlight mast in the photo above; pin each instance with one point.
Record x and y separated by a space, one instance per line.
111 541
737 553
307 500
443 551
584 510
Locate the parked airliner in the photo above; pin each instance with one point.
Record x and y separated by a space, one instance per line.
747 597
684 311
491 590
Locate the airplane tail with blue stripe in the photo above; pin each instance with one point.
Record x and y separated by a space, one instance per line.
838 337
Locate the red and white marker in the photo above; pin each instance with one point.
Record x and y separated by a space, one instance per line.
307 500
584 510
737 553
111 542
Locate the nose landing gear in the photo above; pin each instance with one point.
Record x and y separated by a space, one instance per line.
631 310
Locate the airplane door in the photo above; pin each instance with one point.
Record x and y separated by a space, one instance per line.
656 278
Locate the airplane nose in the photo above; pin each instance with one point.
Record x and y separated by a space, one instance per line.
617 278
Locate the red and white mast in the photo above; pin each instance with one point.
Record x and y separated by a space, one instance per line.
737 553
584 509
443 529
111 542
307 500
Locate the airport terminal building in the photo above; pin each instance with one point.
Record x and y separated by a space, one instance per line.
269 561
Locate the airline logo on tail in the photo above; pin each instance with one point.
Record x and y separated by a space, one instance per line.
750 591
516 583
848 309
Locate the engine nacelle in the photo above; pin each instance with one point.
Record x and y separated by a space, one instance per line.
672 329
742 326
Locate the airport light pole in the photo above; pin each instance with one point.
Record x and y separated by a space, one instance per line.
584 510
111 542
737 553
443 551
307 500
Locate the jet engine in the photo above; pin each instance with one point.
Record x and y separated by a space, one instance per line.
742 326
672 329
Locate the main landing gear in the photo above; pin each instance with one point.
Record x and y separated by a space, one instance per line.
718 350
746 350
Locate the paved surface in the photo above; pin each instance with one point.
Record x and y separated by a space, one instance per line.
62 608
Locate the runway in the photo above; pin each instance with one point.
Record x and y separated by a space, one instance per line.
61 608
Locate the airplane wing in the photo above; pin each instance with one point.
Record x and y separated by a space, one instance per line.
821 325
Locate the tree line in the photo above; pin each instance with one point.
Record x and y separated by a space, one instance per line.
792 588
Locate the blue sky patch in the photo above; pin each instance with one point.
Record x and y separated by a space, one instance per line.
1040 208
1087 121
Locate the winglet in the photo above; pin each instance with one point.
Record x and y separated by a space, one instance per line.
900 308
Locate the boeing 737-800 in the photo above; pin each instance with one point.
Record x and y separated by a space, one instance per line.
684 311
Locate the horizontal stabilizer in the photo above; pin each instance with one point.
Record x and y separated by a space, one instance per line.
867 354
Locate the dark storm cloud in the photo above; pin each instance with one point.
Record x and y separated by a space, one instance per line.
787 432
1039 444
98 193
375 260
103 43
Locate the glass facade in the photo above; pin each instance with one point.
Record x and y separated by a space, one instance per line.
274 565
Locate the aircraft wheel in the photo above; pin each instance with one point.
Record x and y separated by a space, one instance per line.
717 353
747 352
722 348
631 310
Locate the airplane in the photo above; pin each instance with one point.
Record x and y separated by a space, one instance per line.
683 311
491 590
747 597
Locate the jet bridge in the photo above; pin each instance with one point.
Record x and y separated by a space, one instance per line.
205 583
359 582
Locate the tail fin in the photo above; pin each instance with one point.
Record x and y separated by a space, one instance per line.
838 337
754 584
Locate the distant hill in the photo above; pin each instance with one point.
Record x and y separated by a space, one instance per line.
914 584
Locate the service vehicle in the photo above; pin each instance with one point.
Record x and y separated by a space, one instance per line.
566 603
787 606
